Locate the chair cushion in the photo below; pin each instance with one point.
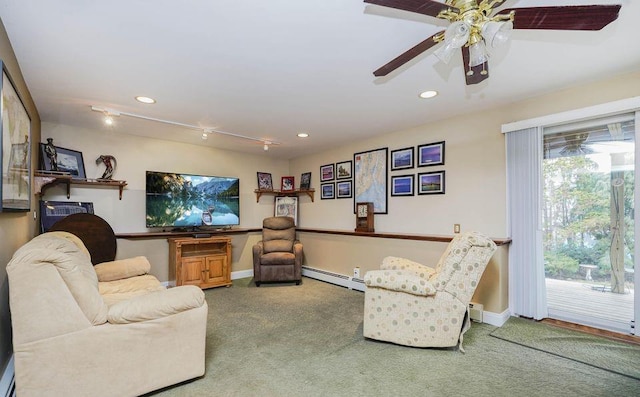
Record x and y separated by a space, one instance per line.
278 245
278 258
278 234
123 268
399 280
119 290
75 268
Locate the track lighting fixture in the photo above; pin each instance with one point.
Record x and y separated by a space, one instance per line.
205 131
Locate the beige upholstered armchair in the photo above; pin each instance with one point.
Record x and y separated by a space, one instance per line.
108 330
415 305
278 256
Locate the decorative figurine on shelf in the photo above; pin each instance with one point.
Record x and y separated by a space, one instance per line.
110 162
52 154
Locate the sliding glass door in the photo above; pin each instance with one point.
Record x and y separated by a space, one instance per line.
588 180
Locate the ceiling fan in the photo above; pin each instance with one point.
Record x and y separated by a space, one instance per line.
476 29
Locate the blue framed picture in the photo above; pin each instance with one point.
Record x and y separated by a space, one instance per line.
431 154
402 185
402 159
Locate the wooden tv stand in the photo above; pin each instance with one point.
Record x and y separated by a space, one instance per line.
204 262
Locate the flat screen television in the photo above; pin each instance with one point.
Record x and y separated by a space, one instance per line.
190 202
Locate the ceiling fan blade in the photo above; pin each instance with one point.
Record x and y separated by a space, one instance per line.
406 56
593 17
480 72
425 7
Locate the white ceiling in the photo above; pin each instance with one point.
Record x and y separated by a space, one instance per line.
271 69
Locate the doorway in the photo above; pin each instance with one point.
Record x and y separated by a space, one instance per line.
588 180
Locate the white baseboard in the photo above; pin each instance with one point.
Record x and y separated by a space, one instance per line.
7 384
496 319
241 274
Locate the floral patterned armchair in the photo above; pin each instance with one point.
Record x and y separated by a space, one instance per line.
411 304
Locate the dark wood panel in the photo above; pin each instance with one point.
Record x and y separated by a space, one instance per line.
417 237
425 7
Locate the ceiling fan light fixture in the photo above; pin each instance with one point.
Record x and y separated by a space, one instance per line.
456 35
496 34
478 54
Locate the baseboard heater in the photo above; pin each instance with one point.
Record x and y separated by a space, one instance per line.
334 278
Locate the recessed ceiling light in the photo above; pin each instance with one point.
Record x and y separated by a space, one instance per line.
303 135
145 99
428 94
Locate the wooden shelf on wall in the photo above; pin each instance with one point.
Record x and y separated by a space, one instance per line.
43 181
296 192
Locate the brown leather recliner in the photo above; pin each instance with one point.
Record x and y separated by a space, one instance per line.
278 256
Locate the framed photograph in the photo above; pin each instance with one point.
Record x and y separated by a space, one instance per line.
264 181
305 181
402 185
370 178
287 206
343 189
287 184
431 154
431 182
402 159
326 173
327 191
343 169
52 211
16 149
67 161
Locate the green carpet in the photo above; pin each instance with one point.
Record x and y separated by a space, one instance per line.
618 357
306 340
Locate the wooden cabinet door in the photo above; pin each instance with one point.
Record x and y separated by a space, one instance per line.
193 270
216 269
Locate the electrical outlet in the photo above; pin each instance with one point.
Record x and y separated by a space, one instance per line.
356 272
456 228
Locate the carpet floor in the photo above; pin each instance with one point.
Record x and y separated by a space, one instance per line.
618 357
306 340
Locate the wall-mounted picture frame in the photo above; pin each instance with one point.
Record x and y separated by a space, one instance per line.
344 189
15 156
264 181
305 181
286 206
370 178
431 182
53 211
431 154
402 159
402 185
287 184
68 161
344 169
327 191
327 172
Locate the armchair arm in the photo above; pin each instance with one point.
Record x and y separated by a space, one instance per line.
401 281
155 305
395 263
123 268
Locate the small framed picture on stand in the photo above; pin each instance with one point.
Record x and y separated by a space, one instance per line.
287 184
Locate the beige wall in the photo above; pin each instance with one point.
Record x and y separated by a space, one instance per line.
134 156
15 228
475 187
